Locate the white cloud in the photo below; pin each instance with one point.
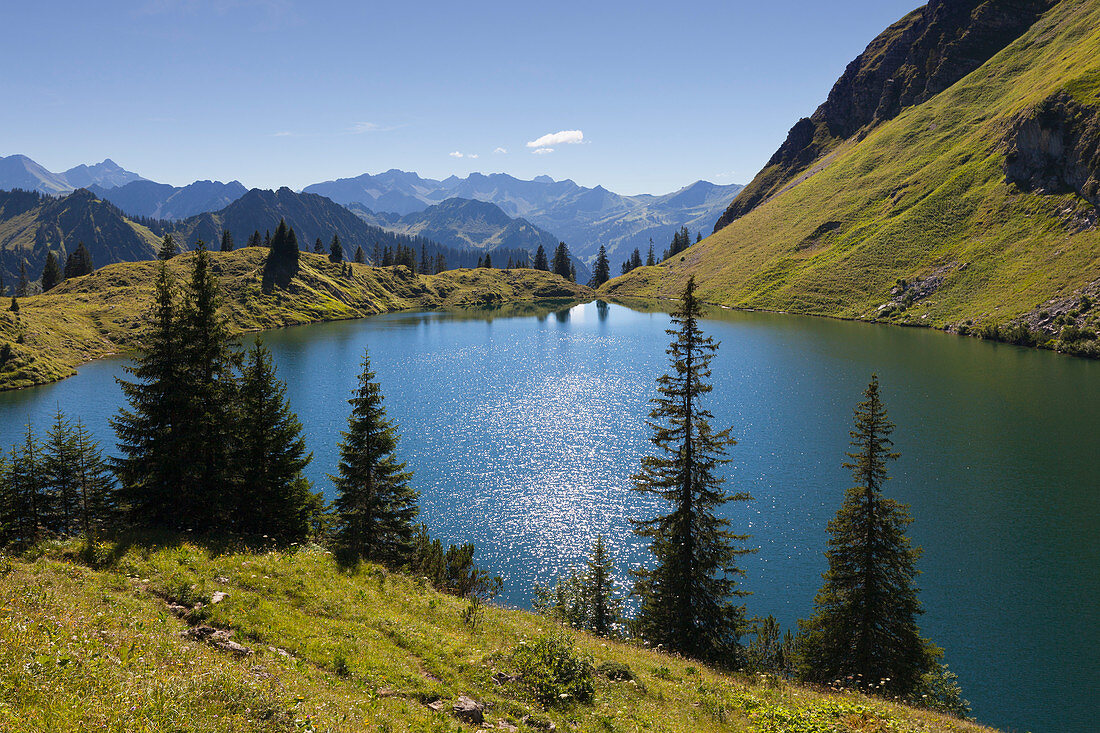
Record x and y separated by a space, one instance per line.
500 150
542 151
456 154
472 155
284 133
360 127
564 137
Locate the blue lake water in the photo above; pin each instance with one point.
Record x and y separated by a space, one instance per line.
523 432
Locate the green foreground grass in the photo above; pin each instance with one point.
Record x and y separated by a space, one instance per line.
103 313
921 196
95 647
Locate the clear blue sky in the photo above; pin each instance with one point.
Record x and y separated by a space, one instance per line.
279 92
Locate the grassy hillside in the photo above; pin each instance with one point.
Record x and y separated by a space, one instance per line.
102 313
923 198
99 648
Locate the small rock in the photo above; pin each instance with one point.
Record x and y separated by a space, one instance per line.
178 609
221 579
506 726
468 710
439 705
218 596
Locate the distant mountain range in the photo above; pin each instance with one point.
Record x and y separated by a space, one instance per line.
19 171
162 201
583 217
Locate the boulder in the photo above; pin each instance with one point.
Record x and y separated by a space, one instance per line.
468 710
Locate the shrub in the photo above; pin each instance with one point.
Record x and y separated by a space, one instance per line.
616 671
554 670
938 689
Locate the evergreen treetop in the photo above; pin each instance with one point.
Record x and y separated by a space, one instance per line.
51 272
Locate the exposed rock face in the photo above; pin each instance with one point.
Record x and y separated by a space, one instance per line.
916 58
1056 149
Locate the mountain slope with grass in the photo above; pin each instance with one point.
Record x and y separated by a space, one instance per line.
104 313
971 208
178 636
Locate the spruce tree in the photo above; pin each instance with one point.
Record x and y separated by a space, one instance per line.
540 259
272 496
359 256
864 621
150 468
21 505
561 260
227 241
636 259
254 239
687 598
281 264
425 262
51 272
168 248
96 489
59 473
650 259
335 250
318 246
606 609
375 505
208 360
601 270
79 262
22 287
488 260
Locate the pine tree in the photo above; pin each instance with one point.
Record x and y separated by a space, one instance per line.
636 259
272 497
650 259
267 237
687 598
561 260
425 262
359 256
14 307
440 263
20 500
572 273
168 248
95 485
335 250
864 622
150 468
375 505
281 264
227 241
51 272
488 260
540 259
254 239
601 270
387 257
79 262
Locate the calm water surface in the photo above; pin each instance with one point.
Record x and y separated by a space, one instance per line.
523 433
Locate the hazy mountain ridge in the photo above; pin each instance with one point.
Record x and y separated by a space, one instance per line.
583 217
164 201
20 172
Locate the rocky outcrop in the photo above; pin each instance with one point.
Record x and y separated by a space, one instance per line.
916 58
1055 148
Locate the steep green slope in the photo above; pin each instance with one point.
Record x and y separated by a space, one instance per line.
31 225
103 313
100 648
923 199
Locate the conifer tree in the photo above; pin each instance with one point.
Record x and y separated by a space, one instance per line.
59 473
375 505
22 287
208 360
440 263
561 260
540 259
267 237
864 622
227 241
1 278
511 263
21 500
318 246
425 263
79 262
281 264
272 497
606 609
51 272
95 485
335 250
488 260
687 598
650 259
601 270
168 248
150 440
636 259
572 273
14 307
480 262
254 239
387 257
359 256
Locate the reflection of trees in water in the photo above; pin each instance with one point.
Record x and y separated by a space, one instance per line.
562 316
602 310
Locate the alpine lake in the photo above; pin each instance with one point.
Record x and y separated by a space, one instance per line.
523 428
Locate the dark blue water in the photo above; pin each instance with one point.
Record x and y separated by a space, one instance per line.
523 433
